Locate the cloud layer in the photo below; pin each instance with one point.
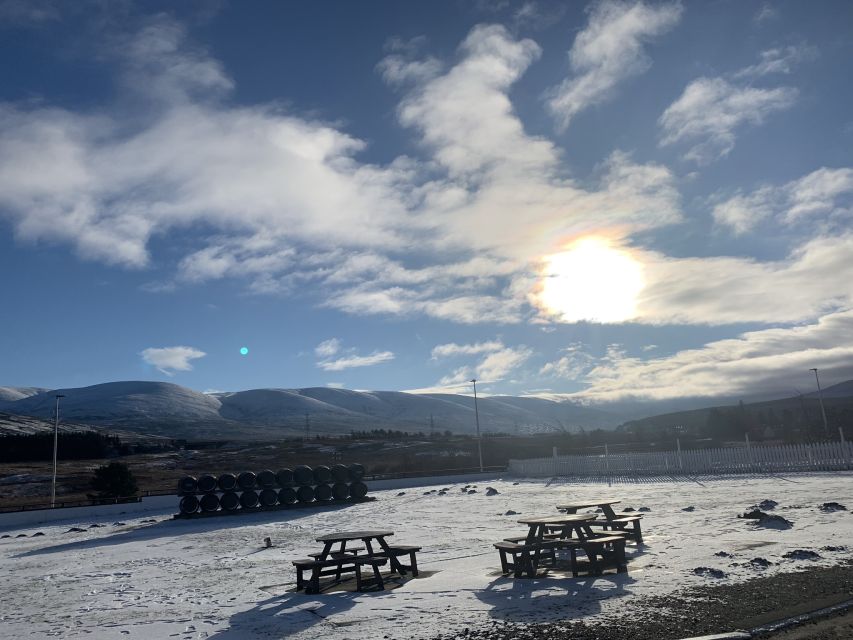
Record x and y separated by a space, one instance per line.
773 361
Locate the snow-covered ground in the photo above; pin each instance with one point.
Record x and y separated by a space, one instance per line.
155 577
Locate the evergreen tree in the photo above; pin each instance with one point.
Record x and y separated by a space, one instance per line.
114 480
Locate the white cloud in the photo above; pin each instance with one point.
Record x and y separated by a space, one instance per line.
347 358
766 13
716 290
824 196
168 360
496 363
771 361
452 349
465 116
108 182
711 110
814 279
28 12
779 60
743 212
819 193
572 366
401 66
459 377
327 348
162 65
609 50
533 15
352 361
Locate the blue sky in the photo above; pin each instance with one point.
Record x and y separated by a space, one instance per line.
609 200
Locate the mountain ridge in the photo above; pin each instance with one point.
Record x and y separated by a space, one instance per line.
141 405
167 409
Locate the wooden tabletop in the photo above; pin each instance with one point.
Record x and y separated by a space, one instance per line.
588 504
353 535
573 518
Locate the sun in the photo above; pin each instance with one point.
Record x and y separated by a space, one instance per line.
591 281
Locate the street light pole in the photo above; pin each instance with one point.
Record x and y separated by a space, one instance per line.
477 418
820 398
55 447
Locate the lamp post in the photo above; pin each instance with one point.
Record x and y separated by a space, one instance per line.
477 418
55 447
820 398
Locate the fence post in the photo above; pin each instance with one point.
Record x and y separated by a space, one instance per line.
554 456
749 452
846 456
680 463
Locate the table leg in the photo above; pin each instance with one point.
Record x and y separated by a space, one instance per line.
314 582
340 567
540 538
584 532
392 559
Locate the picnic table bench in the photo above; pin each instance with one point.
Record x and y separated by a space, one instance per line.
519 557
338 565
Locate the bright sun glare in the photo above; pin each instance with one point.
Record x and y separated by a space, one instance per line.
591 281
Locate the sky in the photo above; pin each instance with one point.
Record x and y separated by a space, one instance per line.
606 200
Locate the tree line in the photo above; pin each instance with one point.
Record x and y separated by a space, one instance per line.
74 445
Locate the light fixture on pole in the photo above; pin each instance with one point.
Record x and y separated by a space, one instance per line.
477 418
820 398
55 447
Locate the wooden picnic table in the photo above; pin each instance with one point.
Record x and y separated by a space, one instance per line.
606 506
612 520
367 537
564 525
337 558
576 523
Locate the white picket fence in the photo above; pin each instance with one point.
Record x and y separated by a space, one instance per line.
828 456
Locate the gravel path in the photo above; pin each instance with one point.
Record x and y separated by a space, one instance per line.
705 610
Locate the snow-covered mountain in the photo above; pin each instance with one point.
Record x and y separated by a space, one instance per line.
164 408
8 394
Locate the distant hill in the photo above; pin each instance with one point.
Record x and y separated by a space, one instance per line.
13 424
792 412
10 394
171 410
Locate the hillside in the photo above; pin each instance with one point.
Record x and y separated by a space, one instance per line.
10 394
169 409
801 412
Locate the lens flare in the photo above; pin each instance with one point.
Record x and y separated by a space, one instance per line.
591 281
244 351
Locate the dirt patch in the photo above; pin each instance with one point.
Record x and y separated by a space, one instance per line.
700 611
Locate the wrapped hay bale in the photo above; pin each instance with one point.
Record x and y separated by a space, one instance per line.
227 482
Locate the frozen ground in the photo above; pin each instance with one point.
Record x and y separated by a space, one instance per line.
154 577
